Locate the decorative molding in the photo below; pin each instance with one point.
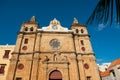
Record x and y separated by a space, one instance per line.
53 62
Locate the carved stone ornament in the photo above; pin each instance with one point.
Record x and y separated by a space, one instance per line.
46 59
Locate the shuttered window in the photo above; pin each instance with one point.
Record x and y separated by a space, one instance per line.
6 54
2 67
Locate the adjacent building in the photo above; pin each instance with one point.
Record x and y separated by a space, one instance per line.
5 55
103 67
53 53
113 72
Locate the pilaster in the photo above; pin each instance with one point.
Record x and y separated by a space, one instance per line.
81 68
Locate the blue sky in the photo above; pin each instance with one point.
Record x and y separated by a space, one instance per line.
105 40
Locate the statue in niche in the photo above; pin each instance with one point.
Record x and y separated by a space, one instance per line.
56 56
59 57
46 59
64 58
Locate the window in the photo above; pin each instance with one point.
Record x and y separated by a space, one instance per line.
26 29
18 78
113 73
86 66
6 55
83 48
82 31
88 78
31 29
54 43
2 67
119 68
77 30
24 48
26 41
82 43
20 66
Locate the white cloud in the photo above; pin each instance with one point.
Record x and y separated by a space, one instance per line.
99 60
101 26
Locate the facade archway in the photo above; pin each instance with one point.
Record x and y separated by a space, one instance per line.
55 75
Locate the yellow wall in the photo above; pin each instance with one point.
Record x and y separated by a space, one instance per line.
5 60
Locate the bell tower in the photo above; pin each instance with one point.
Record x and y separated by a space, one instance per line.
21 61
88 69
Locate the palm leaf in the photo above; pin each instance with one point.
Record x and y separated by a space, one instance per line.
104 12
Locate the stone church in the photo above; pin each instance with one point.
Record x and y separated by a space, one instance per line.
53 53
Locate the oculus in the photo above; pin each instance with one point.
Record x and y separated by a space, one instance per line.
24 48
54 43
86 66
20 66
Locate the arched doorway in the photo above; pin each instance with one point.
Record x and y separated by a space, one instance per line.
55 75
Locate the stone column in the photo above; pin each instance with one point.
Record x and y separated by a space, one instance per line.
66 75
12 69
37 43
95 70
81 68
36 59
14 59
75 66
35 67
45 68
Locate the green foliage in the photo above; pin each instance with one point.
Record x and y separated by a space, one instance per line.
105 11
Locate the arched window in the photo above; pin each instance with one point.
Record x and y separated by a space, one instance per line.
26 41
81 41
77 31
55 75
26 28
82 31
31 29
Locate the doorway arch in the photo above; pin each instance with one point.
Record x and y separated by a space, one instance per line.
55 75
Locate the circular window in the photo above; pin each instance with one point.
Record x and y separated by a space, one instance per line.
20 66
83 48
86 66
54 43
24 47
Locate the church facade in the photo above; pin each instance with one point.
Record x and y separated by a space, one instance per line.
53 53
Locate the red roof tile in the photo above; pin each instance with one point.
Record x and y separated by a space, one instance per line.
116 62
106 73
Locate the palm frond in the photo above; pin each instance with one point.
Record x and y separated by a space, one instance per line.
104 12
118 11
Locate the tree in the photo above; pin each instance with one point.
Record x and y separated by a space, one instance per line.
106 11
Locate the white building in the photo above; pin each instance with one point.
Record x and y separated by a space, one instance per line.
113 72
103 67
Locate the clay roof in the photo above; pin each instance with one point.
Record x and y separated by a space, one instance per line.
114 63
106 73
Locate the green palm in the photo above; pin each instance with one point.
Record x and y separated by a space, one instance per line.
105 11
